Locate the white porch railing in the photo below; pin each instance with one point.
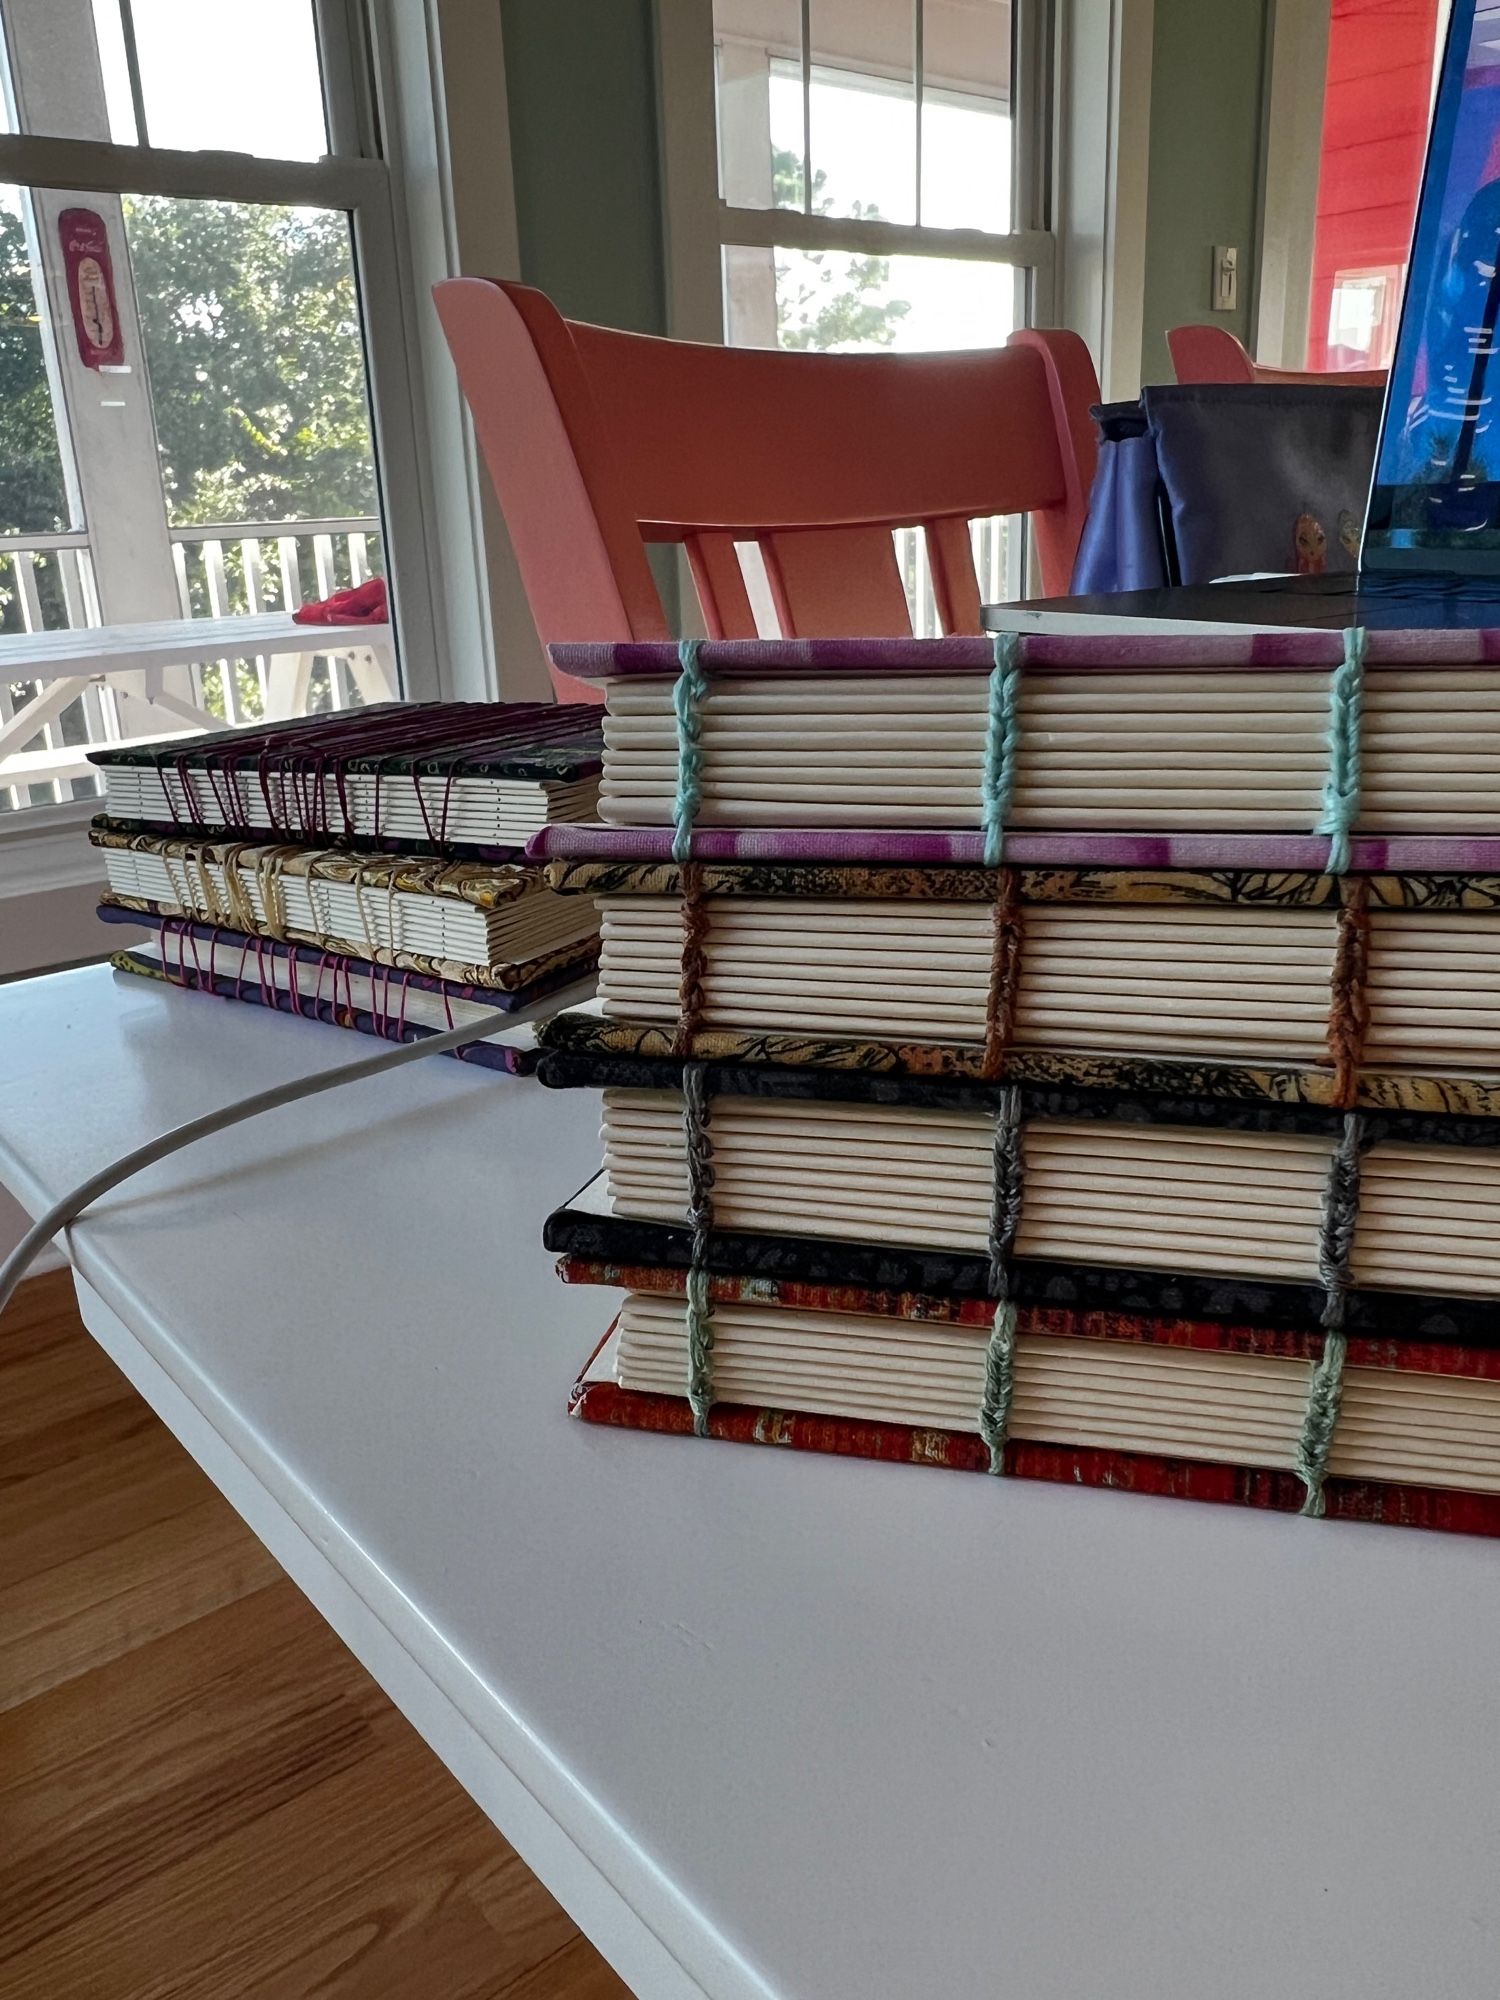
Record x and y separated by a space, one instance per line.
255 566
46 584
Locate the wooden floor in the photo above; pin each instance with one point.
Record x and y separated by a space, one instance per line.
202 1794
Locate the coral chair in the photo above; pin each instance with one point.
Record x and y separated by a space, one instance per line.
599 442
1212 354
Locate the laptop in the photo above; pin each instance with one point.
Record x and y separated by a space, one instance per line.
1430 552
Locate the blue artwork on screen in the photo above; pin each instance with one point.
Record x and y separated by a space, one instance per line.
1437 479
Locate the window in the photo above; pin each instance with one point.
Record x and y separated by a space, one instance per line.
882 183
194 421
1350 98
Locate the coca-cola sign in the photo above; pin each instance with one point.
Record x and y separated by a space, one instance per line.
91 287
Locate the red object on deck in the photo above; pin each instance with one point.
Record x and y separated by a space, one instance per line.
365 604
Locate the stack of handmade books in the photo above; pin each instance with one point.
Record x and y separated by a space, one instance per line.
365 868
1074 1058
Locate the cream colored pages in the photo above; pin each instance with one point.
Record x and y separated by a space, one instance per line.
536 921
383 998
1234 751
479 812
1148 1197
1124 750
1251 983
1121 1395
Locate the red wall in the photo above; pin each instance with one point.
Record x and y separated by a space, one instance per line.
1379 91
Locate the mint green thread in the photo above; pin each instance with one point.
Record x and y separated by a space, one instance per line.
1325 1392
687 699
1001 744
1346 700
999 1383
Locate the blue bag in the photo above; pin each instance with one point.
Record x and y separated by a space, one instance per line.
1200 480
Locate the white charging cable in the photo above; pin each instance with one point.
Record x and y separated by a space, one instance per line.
72 1205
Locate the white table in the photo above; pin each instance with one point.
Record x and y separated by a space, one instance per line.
765 1724
63 663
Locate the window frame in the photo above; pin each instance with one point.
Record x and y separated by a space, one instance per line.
420 159
699 224
1030 246
351 177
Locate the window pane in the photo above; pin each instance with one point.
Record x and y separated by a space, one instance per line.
224 456
33 487
864 145
966 130
864 109
1377 101
841 301
251 331
758 64
236 76
114 73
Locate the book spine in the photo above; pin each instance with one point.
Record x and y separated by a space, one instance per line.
1280 1492
576 959
587 1053
1381 1317
419 849
176 936
1436 1357
510 1061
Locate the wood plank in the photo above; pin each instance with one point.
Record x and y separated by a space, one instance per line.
60 1513
40 1316
78 1754
120 1595
201 1791
50 1387
284 1904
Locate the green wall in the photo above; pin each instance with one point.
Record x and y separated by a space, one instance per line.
581 89
1206 84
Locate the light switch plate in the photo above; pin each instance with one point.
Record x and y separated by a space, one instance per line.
1224 288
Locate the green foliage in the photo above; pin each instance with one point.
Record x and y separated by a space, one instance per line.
252 340
33 497
829 299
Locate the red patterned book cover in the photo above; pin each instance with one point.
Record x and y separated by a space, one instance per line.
1422 1357
600 1401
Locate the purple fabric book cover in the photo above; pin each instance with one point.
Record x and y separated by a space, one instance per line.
325 993
1287 651
1368 853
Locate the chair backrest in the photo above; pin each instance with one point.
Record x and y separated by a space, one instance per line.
1212 354
598 442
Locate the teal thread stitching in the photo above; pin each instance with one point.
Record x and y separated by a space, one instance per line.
698 1144
1005 1222
1346 700
1335 1246
1001 744
687 700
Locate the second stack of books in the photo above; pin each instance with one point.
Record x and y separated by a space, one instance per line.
1074 1058
365 869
